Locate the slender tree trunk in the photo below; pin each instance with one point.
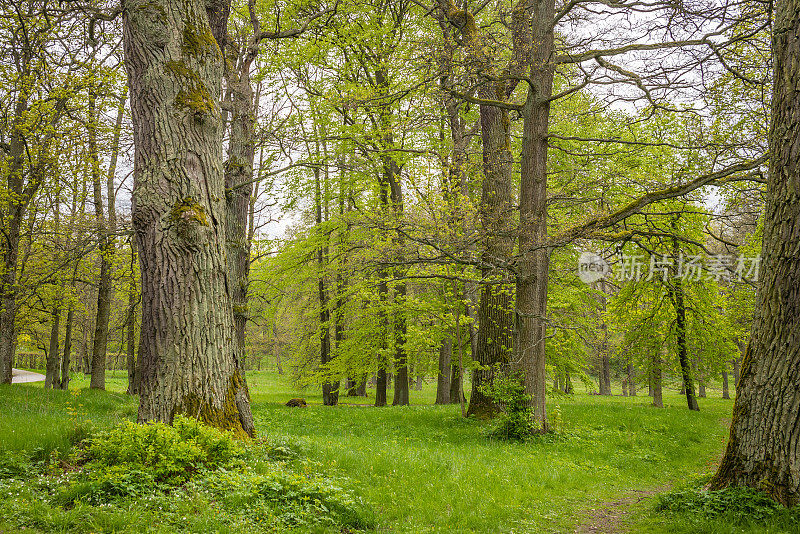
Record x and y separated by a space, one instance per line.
763 450
655 379
106 227
401 384
239 188
12 216
52 372
456 384
445 364
725 388
530 313
604 369
65 360
631 380
330 390
133 300
190 359
680 332
675 290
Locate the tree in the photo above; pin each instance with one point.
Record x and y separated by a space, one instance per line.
762 451
190 361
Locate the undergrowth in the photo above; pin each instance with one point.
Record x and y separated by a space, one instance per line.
162 478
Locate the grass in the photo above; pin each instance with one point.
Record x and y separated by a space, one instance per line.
426 469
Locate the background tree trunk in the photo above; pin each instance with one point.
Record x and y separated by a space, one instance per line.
655 380
443 381
65 360
725 388
53 366
133 300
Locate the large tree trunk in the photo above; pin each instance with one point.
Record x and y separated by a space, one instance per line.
495 315
188 352
763 450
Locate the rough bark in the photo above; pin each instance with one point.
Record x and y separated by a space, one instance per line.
763 450
239 190
495 314
190 359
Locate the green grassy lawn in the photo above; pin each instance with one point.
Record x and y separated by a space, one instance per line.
426 469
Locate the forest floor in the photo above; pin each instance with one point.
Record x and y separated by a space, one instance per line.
424 468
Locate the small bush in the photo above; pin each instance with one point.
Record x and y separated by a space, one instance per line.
170 453
516 419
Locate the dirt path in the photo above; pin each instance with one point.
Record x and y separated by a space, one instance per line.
18 376
609 517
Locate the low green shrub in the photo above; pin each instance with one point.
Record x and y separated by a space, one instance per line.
102 486
171 454
741 505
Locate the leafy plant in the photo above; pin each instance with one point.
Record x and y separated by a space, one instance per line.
739 504
515 422
171 454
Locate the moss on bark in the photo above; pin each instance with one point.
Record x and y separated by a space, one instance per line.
224 417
